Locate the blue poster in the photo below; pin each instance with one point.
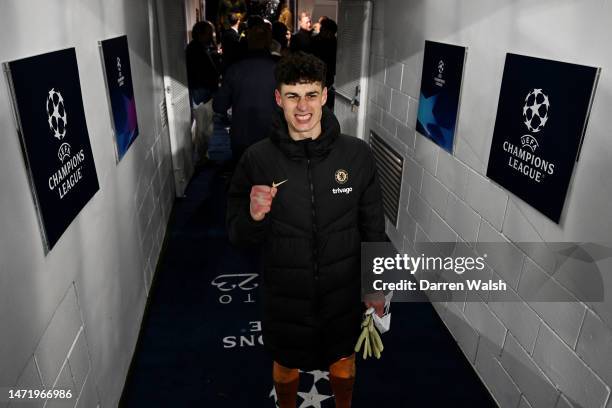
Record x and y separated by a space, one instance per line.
541 119
440 91
48 106
116 59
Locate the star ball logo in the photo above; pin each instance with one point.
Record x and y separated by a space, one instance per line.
440 68
524 160
535 115
56 113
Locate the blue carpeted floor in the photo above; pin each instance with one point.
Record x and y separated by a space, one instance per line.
200 343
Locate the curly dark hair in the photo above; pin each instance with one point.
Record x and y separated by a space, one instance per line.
299 68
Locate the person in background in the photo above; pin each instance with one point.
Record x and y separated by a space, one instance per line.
316 27
248 88
324 46
227 7
203 74
253 21
281 36
283 197
285 17
230 41
203 62
275 50
302 39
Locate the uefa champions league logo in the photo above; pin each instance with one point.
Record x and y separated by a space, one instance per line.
535 115
64 152
56 114
58 119
440 68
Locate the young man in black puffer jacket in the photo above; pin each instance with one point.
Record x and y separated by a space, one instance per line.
310 195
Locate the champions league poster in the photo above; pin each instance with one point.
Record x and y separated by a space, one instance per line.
440 90
116 60
48 105
541 119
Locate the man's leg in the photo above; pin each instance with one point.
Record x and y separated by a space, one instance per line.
286 381
342 378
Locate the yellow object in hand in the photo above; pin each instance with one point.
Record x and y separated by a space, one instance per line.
369 339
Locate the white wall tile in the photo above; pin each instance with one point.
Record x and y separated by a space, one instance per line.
559 309
595 346
414 174
464 334
399 106
439 231
30 380
406 135
413 105
568 372
520 320
487 199
88 397
503 389
393 76
452 173
462 219
524 403
396 237
377 69
419 210
57 339
79 362
434 193
411 75
426 153
526 374
563 402
502 256
389 123
491 329
64 382
519 230
407 224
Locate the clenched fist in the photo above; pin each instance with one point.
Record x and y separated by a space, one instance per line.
261 201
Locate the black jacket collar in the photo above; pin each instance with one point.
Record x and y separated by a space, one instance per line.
320 147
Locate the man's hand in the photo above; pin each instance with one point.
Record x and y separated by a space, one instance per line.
377 301
261 201
379 307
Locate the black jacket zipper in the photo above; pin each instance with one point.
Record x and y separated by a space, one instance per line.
315 252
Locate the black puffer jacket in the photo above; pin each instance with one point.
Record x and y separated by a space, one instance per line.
311 238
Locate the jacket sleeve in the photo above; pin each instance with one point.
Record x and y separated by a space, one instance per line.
242 229
371 215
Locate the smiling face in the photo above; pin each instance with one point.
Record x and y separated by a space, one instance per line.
302 105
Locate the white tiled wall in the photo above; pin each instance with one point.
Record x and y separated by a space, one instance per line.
528 354
71 318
